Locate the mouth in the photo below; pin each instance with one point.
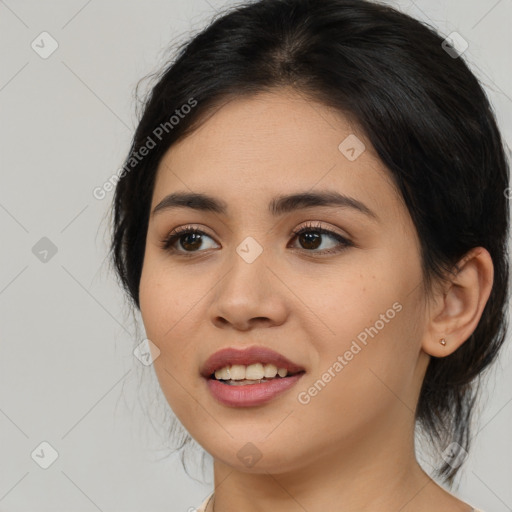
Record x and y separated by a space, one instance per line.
250 377
257 373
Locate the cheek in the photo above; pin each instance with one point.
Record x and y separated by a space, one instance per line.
162 307
371 380
166 299
372 349
170 305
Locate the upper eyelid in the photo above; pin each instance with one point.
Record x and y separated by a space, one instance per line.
312 225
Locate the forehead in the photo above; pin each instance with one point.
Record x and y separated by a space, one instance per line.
255 148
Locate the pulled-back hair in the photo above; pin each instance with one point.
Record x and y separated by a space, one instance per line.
421 108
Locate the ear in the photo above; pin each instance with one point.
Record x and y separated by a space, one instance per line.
458 305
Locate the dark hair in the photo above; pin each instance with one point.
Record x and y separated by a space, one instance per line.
423 111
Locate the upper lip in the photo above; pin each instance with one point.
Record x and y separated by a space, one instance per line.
247 356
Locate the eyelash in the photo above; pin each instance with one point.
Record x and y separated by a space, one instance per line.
170 239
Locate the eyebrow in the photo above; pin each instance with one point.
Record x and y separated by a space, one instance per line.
278 206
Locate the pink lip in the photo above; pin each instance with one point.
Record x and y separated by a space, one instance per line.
247 356
251 395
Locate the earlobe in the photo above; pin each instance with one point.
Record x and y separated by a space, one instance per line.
440 349
460 304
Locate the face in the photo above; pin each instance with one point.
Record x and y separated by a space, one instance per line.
342 300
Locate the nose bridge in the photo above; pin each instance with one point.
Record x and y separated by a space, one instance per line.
248 290
248 269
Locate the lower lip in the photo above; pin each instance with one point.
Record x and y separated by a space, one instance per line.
251 395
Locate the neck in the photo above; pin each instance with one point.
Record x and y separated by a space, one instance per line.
374 470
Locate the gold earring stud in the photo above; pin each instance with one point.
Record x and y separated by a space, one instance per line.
442 341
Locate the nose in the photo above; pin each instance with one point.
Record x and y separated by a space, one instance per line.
250 294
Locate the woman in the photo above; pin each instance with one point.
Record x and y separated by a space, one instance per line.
313 222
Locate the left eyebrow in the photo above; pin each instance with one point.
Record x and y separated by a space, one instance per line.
278 206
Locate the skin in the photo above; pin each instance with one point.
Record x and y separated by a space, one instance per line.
352 444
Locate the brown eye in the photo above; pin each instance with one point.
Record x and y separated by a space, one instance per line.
310 240
311 237
190 240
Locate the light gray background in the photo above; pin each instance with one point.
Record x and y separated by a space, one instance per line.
67 373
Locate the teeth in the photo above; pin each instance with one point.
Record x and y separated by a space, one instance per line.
270 371
282 372
255 371
237 372
222 374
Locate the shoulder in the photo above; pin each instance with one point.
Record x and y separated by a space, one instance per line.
203 505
